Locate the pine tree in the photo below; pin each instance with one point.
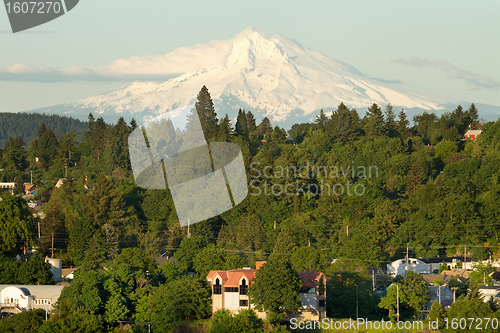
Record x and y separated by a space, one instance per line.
104 202
321 119
98 137
473 115
18 186
390 120
206 112
343 126
264 127
374 121
225 129
133 124
241 128
403 124
251 124
279 135
284 246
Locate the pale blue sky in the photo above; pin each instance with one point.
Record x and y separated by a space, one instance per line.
447 49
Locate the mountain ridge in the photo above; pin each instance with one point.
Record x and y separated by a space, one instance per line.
270 75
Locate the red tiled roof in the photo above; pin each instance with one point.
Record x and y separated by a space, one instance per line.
311 279
232 277
237 274
222 274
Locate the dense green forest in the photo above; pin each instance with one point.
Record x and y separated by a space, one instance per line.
356 189
25 125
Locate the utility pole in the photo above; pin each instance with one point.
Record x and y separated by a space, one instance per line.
52 248
406 258
439 294
373 279
454 290
465 257
189 233
38 228
397 298
31 182
274 224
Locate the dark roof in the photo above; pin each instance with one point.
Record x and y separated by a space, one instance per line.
161 260
447 260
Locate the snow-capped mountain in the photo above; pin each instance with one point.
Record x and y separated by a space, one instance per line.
271 76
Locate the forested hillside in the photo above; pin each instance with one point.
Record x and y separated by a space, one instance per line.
360 190
25 125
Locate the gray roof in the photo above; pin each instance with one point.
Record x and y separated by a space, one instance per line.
39 291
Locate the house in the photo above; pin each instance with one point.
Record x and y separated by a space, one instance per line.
29 189
9 186
442 294
489 292
229 292
452 262
18 298
68 273
472 134
398 267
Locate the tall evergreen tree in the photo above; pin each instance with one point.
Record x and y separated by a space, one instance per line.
18 186
374 121
390 120
13 155
251 124
241 128
321 119
98 137
225 129
207 114
473 116
343 125
104 202
403 125
133 124
264 127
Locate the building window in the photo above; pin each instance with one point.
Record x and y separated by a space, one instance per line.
231 289
243 287
243 302
217 287
322 303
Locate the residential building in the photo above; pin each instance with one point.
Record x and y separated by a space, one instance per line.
472 134
229 292
398 267
490 293
18 298
442 294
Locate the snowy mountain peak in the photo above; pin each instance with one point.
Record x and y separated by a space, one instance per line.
270 75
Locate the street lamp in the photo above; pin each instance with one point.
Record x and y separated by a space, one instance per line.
357 292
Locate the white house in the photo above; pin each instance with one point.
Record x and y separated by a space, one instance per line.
398 267
18 298
489 293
